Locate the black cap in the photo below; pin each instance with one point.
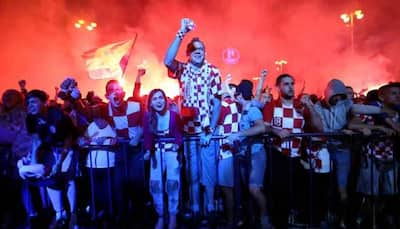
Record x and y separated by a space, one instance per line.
245 88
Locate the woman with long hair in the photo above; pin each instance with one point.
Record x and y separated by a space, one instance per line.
162 140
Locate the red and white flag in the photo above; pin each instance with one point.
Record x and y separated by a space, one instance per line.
109 61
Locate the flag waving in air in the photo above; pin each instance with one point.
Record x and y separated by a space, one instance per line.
109 61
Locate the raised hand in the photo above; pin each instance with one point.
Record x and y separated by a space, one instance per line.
283 133
141 72
305 100
264 73
260 84
186 25
22 84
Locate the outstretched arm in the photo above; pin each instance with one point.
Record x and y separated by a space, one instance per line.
138 84
169 59
365 109
260 84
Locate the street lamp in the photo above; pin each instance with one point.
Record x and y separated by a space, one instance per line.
348 19
280 64
82 23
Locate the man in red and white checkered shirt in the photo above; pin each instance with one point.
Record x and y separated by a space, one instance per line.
200 84
126 119
284 116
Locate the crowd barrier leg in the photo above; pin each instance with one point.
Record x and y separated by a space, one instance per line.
291 197
161 152
373 208
109 188
217 192
92 188
191 153
310 183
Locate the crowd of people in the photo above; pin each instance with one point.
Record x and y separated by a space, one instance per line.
218 154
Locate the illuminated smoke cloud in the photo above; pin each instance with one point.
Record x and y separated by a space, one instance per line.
40 43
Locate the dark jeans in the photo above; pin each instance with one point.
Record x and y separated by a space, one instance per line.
288 191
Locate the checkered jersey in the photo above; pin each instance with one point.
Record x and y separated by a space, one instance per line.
228 123
199 87
281 116
127 119
381 149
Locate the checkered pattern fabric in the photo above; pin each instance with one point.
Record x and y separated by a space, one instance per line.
127 119
228 123
198 86
229 118
381 150
280 116
319 159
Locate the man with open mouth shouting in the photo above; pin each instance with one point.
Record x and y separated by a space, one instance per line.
126 117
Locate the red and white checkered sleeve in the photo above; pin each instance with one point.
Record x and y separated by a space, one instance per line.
215 87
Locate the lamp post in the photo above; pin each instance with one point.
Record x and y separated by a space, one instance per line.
348 20
83 24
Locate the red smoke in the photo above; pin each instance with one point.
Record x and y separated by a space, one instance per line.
40 43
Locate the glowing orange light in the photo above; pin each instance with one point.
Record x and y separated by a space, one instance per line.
345 18
93 24
143 65
81 21
359 14
90 28
77 25
280 62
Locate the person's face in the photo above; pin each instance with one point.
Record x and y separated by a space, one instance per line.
158 102
198 54
232 89
239 98
349 93
286 88
115 94
35 106
391 96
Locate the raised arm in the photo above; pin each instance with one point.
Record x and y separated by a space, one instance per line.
263 76
138 84
314 117
169 59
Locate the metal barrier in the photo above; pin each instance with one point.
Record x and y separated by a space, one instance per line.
308 138
122 148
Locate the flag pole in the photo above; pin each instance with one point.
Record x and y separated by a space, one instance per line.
129 55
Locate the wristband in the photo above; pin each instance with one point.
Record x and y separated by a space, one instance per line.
180 35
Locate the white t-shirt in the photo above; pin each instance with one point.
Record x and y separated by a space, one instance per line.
98 158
